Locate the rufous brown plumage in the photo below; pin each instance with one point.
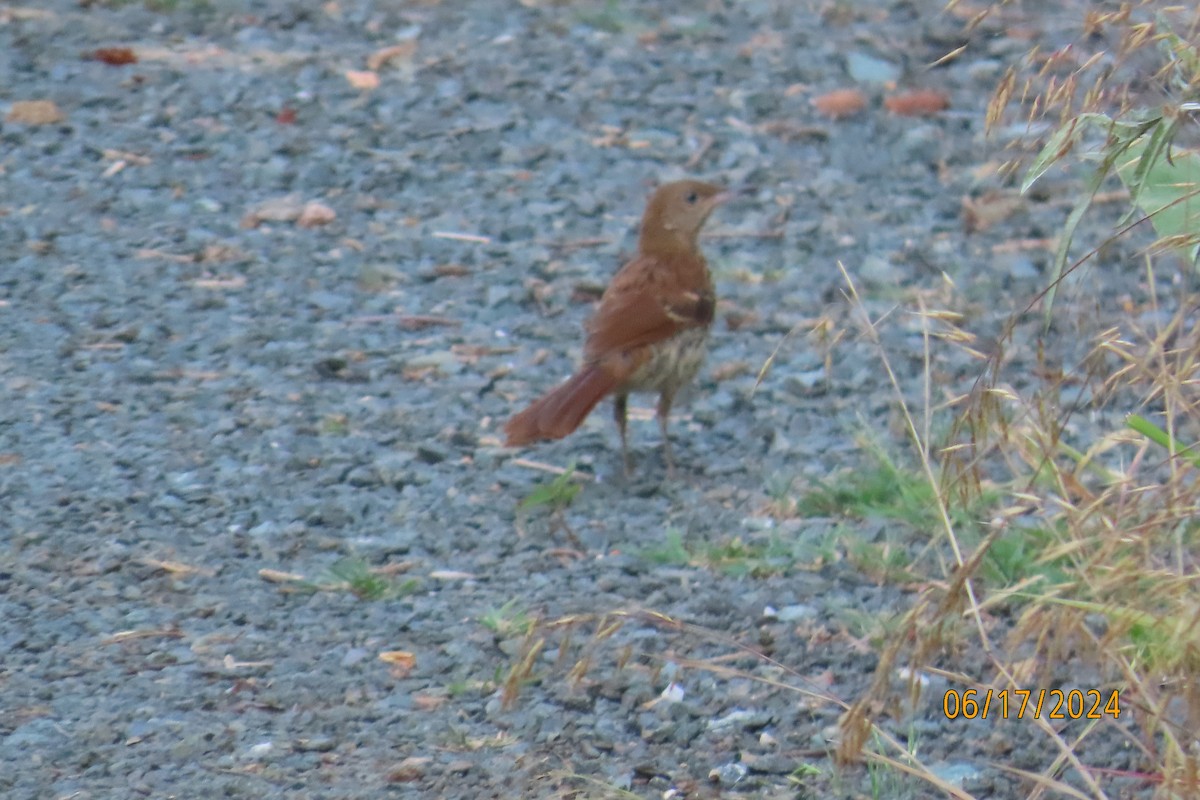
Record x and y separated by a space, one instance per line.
650 331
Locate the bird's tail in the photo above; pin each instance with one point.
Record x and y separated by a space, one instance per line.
561 410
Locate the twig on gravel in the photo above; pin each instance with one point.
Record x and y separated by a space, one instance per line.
766 367
231 663
149 633
151 252
124 155
576 244
1021 245
553 470
409 322
707 140
790 131
177 567
278 576
563 552
776 234
236 282
462 237
740 126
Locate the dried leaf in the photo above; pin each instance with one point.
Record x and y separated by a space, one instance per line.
763 40
35 112
362 79
401 662
981 213
919 103
840 103
315 213
409 770
428 702
402 52
177 567
279 209
400 657
114 56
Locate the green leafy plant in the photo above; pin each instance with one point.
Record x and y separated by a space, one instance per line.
732 556
1164 181
881 488
335 425
1025 556
355 576
610 19
508 620
555 497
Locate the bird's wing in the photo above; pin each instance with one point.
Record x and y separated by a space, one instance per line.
642 309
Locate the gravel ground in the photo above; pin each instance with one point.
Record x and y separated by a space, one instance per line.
256 319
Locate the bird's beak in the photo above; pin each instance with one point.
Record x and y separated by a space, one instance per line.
724 197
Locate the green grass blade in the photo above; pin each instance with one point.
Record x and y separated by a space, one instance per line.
1146 428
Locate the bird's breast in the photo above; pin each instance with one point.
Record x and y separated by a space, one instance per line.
672 364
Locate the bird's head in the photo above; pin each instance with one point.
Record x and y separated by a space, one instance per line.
676 213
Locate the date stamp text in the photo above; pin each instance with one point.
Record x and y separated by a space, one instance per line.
1051 704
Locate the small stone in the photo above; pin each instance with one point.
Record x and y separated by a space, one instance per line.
260 750
265 528
985 70
444 361
741 718
869 69
879 271
321 744
921 145
497 295
354 656
362 477
395 469
728 774
955 773
432 453
806 383
794 613
768 764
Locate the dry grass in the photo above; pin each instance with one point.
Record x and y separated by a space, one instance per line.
1087 571
1109 597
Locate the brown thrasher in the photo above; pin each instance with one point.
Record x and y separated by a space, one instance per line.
650 331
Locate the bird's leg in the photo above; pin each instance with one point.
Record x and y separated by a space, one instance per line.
620 407
664 412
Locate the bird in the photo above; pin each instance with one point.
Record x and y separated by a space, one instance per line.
650 330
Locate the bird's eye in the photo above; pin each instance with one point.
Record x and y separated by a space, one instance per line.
692 198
